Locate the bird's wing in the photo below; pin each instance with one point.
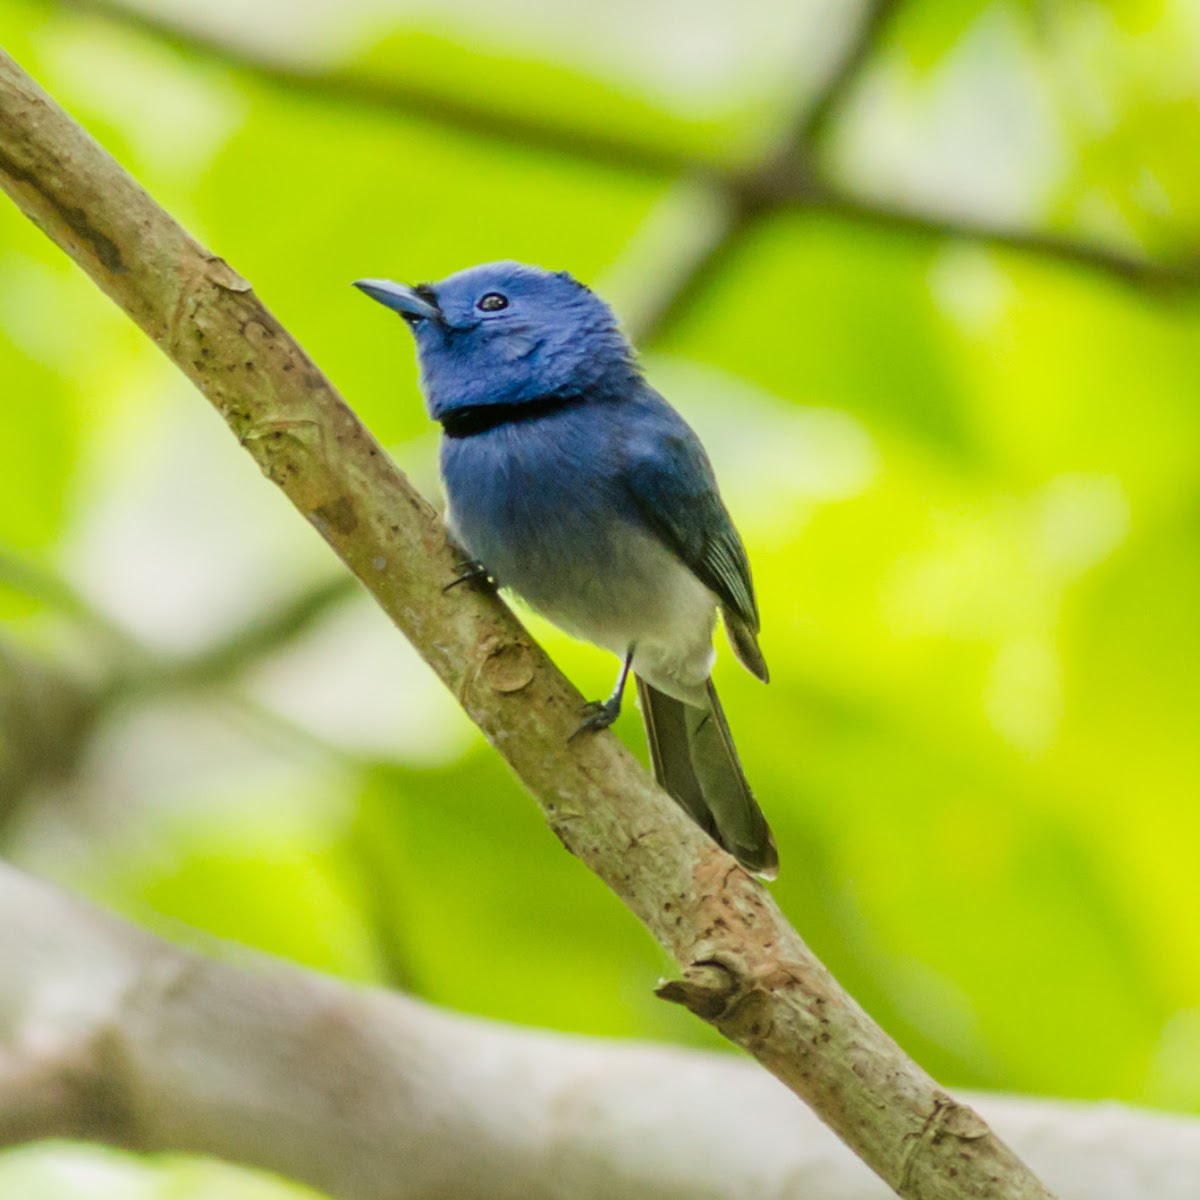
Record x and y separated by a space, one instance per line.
673 490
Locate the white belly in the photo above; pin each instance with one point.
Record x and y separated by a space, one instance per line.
648 600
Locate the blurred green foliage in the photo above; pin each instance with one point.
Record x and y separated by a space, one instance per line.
969 480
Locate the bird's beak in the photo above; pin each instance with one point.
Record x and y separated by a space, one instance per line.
400 298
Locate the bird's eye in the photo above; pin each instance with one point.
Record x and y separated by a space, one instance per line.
492 302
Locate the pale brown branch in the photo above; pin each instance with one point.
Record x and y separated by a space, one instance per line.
774 999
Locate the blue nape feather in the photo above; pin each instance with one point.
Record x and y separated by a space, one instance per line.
574 483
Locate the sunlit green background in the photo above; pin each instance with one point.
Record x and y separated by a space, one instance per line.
968 477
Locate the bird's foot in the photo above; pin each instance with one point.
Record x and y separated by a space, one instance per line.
598 715
472 572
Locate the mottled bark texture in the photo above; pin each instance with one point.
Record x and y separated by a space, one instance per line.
744 969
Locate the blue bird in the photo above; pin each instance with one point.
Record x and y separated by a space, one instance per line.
570 480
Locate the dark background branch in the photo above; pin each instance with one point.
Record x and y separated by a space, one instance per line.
789 178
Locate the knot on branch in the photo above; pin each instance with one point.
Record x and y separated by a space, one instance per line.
291 452
739 999
508 667
709 989
338 516
947 1119
219 272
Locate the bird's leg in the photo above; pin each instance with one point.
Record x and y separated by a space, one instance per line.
471 571
600 714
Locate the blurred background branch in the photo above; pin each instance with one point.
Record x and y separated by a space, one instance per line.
789 178
374 1096
48 712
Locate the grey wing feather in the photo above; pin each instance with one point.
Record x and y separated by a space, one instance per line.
675 494
667 735
696 761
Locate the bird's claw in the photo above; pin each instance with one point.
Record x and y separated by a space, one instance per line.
597 715
472 572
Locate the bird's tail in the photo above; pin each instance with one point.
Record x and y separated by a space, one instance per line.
696 761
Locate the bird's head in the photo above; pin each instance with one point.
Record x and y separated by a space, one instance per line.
503 333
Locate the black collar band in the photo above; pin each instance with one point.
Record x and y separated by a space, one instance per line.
479 418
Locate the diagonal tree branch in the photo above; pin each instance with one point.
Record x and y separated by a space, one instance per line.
820 112
263 635
745 970
48 713
695 274
402 97
751 191
1161 278
789 178
786 176
376 1096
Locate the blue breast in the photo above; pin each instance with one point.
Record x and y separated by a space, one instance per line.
541 503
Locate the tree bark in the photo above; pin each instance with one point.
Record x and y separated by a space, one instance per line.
110 1035
744 969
